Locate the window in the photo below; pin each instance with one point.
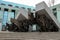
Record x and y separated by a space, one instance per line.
33 9
10 5
17 6
5 9
11 15
2 4
13 10
29 8
54 9
0 8
34 27
23 7
55 14
5 16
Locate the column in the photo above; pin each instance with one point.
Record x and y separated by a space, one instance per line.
1 18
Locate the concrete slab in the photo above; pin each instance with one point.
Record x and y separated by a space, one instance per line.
42 8
23 12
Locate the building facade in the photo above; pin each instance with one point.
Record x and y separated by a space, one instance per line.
9 10
56 11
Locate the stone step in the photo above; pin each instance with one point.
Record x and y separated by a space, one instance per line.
29 35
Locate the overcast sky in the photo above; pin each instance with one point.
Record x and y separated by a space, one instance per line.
32 2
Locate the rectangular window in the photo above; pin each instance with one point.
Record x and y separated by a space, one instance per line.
17 6
2 4
13 11
29 9
0 8
55 14
23 7
5 9
10 5
5 17
34 27
10 15
33 9
54 9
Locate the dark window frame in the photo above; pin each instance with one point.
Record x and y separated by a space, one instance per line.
2 4
5 9
14 12
17 6
33 9
0 8
54 9
23 7
10 5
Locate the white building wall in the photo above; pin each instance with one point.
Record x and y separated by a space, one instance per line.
58 14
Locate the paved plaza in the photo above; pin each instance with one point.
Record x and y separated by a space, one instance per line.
29 35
